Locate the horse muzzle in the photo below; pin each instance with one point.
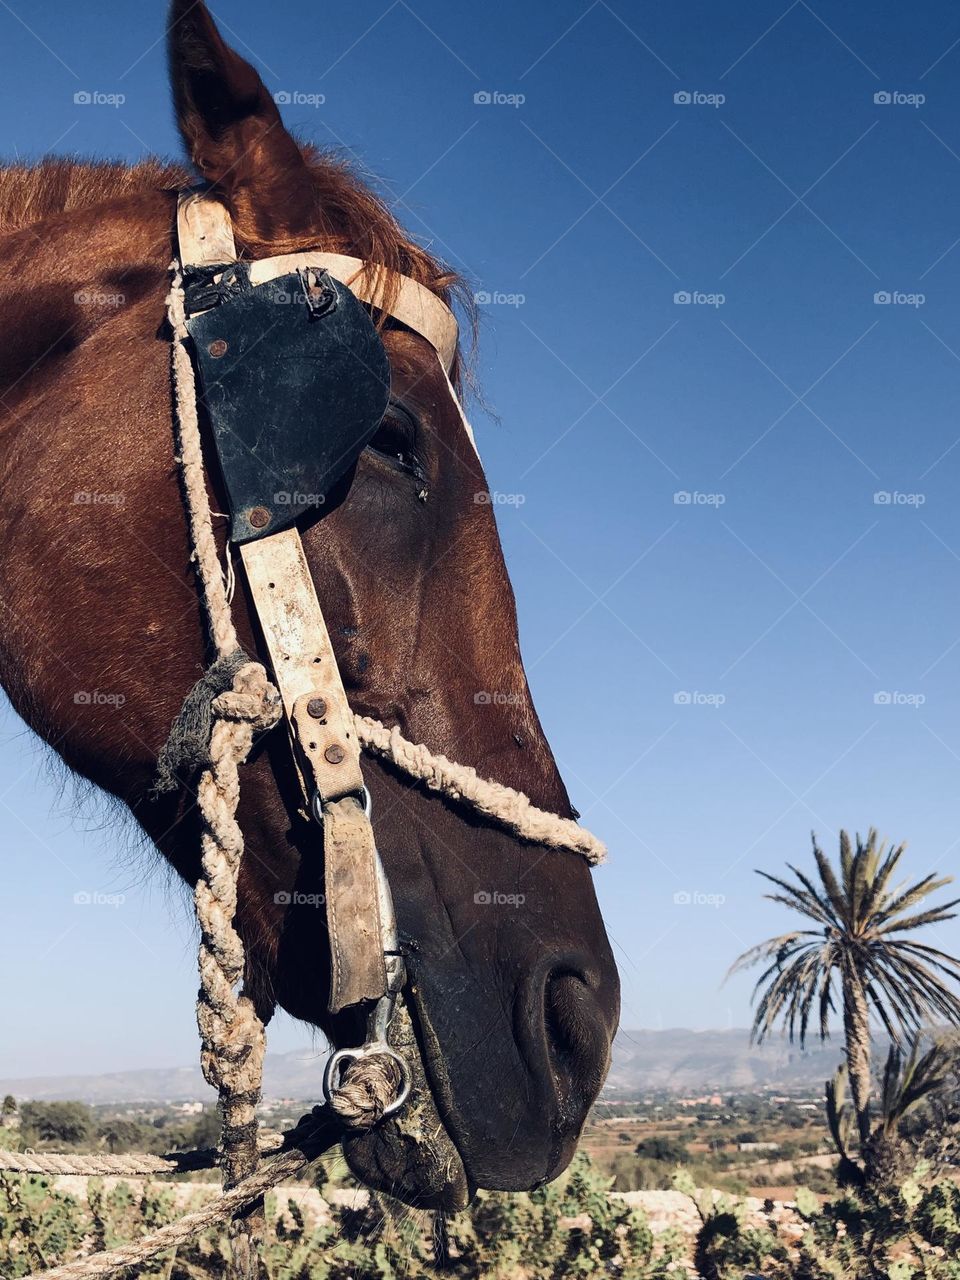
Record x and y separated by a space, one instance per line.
410 1155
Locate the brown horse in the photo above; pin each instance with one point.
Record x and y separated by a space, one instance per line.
512 985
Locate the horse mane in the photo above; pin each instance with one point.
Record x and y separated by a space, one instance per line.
61 184
351 216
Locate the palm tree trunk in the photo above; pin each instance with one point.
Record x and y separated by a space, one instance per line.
856 1030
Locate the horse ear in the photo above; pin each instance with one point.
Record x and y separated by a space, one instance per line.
233 130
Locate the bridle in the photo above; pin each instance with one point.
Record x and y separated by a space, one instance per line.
225 314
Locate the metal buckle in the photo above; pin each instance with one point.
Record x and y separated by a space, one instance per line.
316 805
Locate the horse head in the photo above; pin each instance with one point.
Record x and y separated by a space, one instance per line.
512 993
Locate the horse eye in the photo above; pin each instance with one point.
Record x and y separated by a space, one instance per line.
396 439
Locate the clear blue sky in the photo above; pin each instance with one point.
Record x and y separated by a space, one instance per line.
797 599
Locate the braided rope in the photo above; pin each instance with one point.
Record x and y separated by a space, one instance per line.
190 457
511 809
232 1035
51 1164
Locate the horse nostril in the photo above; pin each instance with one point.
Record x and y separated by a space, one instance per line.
570 1023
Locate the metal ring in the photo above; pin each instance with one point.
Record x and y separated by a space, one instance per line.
316 804
375 1048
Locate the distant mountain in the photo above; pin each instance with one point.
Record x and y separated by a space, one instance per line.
286 1075
683 1061
677 1060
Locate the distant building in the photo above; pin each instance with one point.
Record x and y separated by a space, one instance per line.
758 1146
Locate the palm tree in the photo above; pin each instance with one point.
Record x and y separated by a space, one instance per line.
857 947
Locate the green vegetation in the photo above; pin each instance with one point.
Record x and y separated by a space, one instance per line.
908 1233
660 1147
73 1126
569 1229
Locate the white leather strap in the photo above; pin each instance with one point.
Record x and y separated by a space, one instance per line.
327 753
305 668
204 230
414 306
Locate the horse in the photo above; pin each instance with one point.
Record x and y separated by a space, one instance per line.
511 985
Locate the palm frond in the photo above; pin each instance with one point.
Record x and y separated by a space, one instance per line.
905 1084
935 915
827 1005
846 862
909 898
864 875
803 898
833 909
882 879
772 948
928 999
784 995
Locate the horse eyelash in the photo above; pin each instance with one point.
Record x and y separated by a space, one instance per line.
413 465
